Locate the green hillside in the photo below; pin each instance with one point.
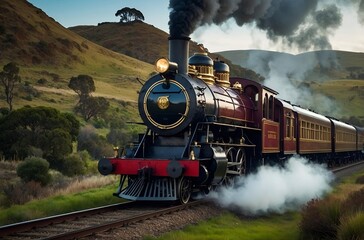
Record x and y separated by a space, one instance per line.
144 42
44 49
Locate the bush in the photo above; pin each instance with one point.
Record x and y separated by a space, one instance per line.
360 180
95 144
354 203
21 193
34 169
119 137
320 219
91 164
352 227
73 165
42 81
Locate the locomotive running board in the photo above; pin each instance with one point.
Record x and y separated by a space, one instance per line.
155 189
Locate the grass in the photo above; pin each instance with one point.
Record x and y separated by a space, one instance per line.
65 195
90 198
230 226
348 93
352 228
279 227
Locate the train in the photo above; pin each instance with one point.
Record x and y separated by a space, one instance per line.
204 128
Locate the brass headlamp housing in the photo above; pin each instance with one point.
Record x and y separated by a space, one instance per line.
164 66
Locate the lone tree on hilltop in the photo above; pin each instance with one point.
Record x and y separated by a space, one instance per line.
9 78
129 15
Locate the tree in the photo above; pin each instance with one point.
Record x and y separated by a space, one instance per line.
92 107
83 85
87 106
9 78
42 128
129 14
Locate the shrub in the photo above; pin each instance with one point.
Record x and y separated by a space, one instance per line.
73 165
95 144
320 219
2 29
21 193
352 227
354 203
34 169
91 164
42 81
119 137
360 180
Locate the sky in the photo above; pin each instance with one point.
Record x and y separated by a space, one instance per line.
227 36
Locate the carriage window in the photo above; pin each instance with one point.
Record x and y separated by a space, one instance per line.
288 127
253 94
265 107
271 107
294 133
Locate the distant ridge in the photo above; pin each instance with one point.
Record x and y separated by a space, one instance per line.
341 63
143 41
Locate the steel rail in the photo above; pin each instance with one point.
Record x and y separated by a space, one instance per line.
339 169
122 222
42 222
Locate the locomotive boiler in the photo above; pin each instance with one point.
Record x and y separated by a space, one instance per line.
196 135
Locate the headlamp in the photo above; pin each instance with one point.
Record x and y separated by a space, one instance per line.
163 65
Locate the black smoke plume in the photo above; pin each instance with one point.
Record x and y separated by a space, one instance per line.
361 12
304 24
277 17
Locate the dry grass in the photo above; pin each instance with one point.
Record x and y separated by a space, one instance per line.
343 191
85 183
327 218
7 172
14 191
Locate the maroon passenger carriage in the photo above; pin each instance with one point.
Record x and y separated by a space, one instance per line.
203 128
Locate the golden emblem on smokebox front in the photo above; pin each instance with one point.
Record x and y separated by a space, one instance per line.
163 102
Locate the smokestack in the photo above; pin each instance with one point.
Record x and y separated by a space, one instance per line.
178 52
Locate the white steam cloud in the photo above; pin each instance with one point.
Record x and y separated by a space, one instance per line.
288 74
276 189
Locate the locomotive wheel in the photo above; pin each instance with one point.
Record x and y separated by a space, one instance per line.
228 181
241 158
184 190
231 154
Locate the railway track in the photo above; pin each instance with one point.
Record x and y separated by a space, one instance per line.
87 222
92 221
349 169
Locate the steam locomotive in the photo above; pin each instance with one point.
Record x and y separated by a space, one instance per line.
204 128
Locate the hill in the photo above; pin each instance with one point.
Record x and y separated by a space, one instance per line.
330 82
324 64
47 51
44 49
136 39
144 42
